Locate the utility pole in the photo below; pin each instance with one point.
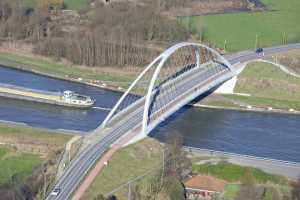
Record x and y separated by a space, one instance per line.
163 163
129 191
45 184
283 38
225 45
158 6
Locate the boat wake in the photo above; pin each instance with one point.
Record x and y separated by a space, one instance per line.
102 108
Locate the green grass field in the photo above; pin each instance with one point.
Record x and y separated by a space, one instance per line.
76 4
15 164
21 163
240 29
71 4
234 173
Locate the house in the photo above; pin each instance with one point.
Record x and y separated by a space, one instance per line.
203 187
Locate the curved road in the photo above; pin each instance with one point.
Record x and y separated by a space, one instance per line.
83 163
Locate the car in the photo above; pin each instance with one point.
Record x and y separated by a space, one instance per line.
259 50
55 192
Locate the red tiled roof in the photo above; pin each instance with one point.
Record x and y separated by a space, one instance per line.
203 182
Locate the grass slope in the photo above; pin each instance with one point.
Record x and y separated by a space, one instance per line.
268 86
33 134
125 165
20 162
240 29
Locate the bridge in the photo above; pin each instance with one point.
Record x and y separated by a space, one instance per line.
173 79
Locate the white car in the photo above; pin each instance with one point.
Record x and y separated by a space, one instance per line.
55 192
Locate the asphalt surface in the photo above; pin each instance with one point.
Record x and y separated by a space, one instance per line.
80 166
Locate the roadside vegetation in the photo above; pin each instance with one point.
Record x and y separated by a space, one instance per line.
28 157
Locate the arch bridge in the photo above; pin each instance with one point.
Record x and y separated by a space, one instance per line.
173 79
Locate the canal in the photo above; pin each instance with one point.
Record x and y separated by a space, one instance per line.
275 136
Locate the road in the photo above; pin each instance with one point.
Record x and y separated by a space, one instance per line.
83 162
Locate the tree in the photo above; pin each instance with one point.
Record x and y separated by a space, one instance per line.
248 179
250 192
176 162
295 193
100 197
112 197
270 193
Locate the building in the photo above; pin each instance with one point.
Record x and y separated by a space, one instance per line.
203 187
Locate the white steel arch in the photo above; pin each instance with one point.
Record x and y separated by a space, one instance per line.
158 64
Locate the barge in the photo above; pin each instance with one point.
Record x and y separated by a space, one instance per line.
66 98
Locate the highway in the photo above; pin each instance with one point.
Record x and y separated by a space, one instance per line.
80 166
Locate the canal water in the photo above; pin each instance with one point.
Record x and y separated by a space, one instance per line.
51 116
275 136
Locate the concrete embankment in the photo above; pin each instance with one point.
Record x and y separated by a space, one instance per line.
248 109
290 170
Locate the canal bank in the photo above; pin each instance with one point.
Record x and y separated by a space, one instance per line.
248 109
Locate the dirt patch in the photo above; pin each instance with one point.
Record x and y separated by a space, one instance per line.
209 7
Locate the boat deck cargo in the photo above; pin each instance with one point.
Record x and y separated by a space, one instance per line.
67 98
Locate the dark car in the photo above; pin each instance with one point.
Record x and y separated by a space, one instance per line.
259 50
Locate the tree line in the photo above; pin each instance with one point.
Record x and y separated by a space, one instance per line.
115 34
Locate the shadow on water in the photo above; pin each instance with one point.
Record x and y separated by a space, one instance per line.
177 115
